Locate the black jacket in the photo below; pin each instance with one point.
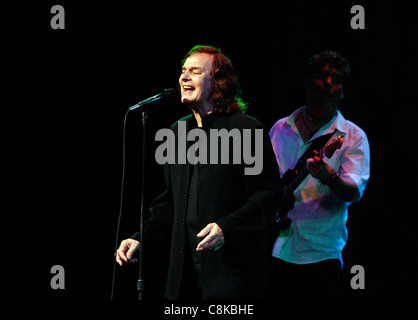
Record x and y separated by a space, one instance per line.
243 206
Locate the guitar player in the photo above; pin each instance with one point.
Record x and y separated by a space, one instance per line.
306 257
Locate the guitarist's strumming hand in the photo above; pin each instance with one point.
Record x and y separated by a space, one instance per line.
319 169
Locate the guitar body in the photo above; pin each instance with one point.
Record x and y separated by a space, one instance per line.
292 179
283 222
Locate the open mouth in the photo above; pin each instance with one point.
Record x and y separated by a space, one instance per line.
188 88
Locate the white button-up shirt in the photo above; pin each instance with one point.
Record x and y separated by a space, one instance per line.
318 229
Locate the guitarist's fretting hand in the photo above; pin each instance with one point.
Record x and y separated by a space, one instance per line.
319 169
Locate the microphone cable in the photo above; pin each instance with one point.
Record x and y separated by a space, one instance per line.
120 202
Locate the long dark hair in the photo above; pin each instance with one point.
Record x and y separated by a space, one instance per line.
226 90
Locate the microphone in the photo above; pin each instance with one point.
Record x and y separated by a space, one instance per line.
165 93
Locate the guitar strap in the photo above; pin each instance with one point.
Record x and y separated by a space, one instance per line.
316 145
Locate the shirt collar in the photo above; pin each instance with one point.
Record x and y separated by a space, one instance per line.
337 123
207 120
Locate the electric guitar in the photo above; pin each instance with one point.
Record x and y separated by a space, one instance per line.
293 178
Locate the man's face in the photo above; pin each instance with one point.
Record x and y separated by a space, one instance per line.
196 83
326 87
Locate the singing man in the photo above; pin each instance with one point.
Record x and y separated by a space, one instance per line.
215 216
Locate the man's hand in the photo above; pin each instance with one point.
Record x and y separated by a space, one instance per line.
344 188
318 168
214 238
126 250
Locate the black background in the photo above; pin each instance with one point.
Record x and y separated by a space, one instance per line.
66 93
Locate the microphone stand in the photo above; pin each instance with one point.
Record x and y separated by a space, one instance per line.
165 93
140 281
